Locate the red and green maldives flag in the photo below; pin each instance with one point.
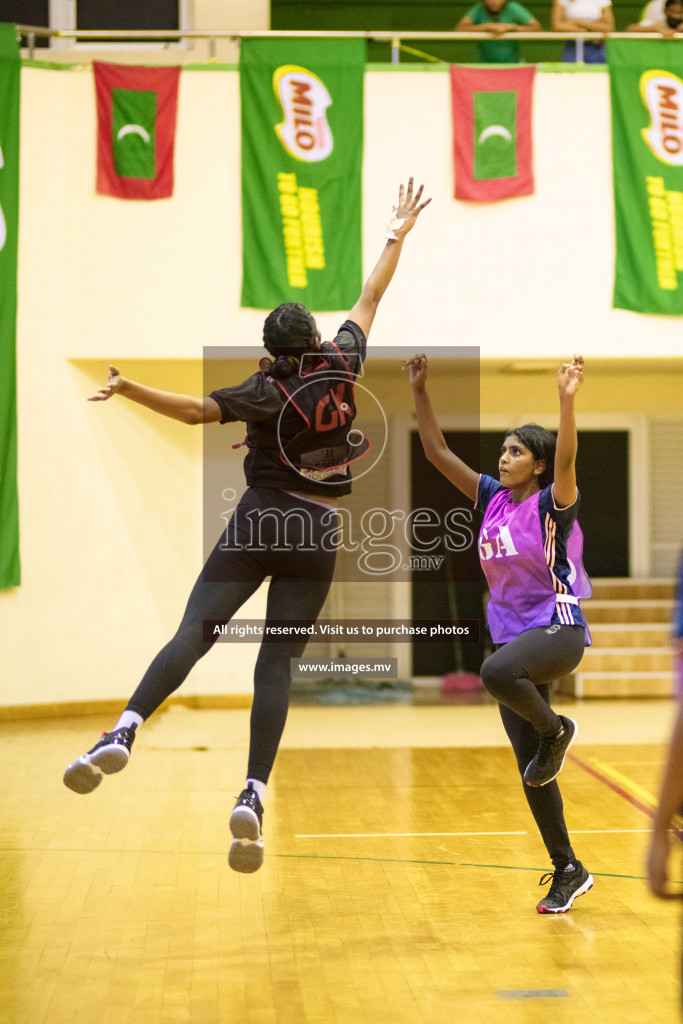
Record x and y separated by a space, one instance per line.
492 132
136 116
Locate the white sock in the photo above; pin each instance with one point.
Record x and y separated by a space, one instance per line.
127 719
258 786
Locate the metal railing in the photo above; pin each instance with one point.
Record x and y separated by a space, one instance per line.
33 32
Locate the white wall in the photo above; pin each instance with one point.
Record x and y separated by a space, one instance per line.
110 496
525 277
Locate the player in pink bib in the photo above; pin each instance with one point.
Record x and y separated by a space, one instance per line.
530 547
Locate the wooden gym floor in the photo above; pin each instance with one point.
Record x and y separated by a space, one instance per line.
399 884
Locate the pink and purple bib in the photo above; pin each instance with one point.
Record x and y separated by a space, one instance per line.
531 556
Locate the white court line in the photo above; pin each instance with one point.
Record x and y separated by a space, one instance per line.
419 835
404 835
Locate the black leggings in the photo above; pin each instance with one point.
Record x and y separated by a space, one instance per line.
271 533
518 674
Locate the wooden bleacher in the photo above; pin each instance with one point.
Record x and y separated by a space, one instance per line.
631 656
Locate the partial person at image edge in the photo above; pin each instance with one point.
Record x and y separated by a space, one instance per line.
665 19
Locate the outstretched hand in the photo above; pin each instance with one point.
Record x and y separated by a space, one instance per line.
418 371
570 376
407 211
112 386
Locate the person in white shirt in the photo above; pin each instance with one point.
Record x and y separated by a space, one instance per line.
665 18
653 14
583 16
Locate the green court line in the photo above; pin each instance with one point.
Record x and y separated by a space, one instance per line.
311 856
214 853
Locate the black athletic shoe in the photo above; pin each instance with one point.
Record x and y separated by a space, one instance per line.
549 758
110 755
565 887
246 820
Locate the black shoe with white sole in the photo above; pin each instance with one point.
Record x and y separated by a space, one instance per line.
547 763
111 754
565 887
246 821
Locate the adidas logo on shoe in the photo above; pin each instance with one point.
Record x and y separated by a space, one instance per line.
565 887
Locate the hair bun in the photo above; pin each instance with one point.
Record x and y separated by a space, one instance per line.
280 368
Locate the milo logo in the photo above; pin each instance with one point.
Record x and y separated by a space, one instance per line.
305 132
662 94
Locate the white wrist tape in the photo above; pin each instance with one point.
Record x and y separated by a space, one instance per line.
394 225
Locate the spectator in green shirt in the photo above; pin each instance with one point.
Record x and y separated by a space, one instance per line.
499 17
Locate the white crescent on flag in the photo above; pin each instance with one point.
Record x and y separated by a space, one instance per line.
495 129
136 129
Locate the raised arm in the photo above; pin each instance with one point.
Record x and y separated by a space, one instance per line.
178 407
405 215
569 379
670 803
433 441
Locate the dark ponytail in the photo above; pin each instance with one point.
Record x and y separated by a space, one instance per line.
541 443
280 368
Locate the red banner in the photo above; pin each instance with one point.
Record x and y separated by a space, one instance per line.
492 148
136 117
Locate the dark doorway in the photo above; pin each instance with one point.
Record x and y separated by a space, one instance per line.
28 12
457 589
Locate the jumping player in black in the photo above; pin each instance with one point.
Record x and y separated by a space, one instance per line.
299 410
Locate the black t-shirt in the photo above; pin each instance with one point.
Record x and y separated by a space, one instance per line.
259 400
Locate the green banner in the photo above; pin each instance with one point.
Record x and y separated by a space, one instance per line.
646 85
9 223
302 149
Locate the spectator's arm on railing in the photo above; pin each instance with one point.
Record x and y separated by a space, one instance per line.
498 28
561 23
531 26
605 23
661 28
465 25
